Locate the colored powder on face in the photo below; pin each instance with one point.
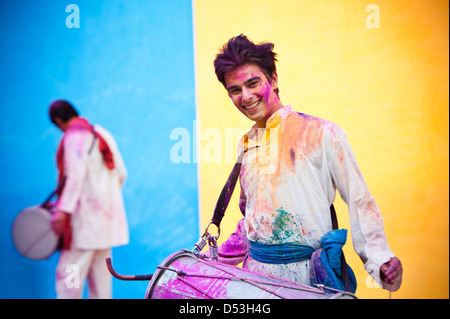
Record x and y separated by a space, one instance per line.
267 93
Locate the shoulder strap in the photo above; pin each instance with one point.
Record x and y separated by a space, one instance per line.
56 192
334 222
227 191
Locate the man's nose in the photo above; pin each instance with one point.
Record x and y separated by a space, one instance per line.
246 95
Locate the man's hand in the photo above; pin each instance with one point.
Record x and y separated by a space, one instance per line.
391 273
58 221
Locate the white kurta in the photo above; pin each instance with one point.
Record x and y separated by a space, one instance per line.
289 178
92 193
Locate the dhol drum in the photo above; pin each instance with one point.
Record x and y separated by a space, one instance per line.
32 234
184 275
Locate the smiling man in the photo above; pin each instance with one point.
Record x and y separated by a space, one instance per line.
253 92
288 230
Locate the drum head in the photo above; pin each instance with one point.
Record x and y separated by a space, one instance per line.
32 234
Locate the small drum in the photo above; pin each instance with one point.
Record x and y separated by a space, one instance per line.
32 234
183 275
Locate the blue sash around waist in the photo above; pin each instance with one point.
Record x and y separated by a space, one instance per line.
325 258
279 253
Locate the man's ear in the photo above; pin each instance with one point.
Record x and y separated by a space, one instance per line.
59 123
274 80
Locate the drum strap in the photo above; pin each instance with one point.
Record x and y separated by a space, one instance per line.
227 192
56 192
344 269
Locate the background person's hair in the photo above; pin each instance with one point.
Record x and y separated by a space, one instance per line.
239 51
63 110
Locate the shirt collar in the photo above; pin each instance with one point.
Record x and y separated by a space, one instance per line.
276 118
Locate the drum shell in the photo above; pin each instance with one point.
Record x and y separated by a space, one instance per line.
183 275
32 234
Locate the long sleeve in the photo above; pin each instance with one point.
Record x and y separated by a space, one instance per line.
76 147
367 229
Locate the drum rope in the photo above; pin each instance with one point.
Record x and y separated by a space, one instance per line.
253 282
182 274
189 284
266 282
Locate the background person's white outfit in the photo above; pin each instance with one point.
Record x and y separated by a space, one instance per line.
92 195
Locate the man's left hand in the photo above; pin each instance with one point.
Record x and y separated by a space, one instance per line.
391 273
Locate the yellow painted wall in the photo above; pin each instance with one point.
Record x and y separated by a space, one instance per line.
387 87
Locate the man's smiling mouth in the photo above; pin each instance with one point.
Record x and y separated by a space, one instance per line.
252 106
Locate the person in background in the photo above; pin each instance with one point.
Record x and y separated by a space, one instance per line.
292 165
89 213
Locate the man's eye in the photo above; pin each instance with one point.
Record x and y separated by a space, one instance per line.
234 91
253 84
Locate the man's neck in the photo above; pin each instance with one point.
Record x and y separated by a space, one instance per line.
262 123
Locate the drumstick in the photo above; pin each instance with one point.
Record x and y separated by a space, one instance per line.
124 277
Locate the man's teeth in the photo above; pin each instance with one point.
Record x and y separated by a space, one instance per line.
253 105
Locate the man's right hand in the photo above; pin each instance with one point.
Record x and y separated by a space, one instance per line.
58 221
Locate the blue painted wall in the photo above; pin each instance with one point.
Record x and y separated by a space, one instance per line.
128 67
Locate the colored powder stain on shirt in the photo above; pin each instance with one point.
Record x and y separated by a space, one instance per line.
282 226
300 137
292 153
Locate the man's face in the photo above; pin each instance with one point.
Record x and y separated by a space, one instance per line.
252 92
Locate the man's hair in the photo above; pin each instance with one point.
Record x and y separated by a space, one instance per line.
239 51
62 109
